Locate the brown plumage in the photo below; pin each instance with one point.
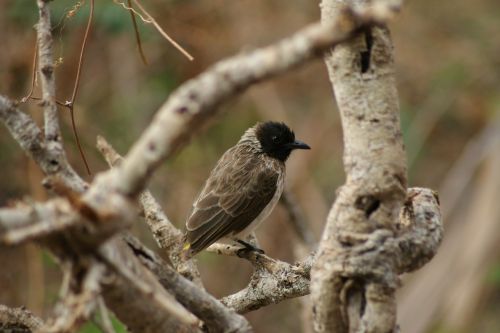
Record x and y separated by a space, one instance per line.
243 188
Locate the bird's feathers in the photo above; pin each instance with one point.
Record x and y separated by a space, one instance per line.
239 188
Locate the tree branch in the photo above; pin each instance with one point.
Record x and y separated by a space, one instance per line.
215 315
167 236
29 136
272 282
46 67
140 303
356 270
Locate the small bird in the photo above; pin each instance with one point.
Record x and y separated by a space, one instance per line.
242 189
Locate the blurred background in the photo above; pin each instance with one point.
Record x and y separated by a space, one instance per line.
448 74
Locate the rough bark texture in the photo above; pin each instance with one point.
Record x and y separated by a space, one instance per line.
215 315
355 274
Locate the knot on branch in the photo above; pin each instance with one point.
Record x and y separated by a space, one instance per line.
420 229
382 255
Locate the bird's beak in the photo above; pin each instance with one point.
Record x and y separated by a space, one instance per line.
298 145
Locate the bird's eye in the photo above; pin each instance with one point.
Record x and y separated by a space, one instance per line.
275 139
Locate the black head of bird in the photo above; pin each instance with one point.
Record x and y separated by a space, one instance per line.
243 188
277 140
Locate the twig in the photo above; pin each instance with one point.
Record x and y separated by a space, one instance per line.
147 18
137 35
33 76
70 104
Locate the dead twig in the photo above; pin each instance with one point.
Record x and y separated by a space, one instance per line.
137 35
147 18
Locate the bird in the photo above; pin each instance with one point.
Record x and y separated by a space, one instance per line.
242 189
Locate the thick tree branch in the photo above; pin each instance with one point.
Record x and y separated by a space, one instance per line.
167 236
215 315
356 271
144 282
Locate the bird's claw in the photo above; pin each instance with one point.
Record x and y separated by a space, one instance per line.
247 248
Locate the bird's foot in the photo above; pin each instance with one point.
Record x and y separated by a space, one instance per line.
247 248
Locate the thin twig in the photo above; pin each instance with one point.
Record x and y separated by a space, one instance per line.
137 35
147 18
39 99
82 54
70 104
33 77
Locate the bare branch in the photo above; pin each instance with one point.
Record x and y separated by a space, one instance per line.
167 236
361 253
24 223
215 315
272 282
157 294
143 299
46 67
25 131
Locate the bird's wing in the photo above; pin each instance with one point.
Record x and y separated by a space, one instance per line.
238 189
